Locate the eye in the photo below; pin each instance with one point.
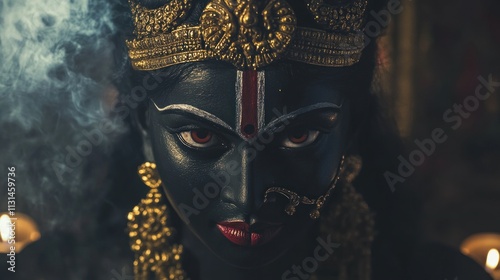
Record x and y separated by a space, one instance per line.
199 138
299 138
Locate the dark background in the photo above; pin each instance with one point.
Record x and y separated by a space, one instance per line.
434 52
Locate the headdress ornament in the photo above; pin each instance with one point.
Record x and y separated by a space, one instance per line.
249 34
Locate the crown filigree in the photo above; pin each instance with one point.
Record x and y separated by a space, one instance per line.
343 17
249 34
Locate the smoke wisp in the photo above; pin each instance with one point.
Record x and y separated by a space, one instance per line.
59 64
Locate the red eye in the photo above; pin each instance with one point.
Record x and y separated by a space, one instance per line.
298 137
201 136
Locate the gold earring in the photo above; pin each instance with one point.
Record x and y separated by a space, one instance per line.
149 233
348 221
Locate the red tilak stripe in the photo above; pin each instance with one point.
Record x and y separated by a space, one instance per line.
249 117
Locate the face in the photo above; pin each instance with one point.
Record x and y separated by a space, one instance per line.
222 137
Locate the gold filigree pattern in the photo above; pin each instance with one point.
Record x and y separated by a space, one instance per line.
152 22
149 233
317 47
148 174
182 45
344 17
249 34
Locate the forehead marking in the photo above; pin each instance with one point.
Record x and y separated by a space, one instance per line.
210 117
249 102
195 111
260 99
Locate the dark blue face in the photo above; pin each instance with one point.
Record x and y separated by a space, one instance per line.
222 137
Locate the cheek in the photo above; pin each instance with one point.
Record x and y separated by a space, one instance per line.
311 171
179 174
187 178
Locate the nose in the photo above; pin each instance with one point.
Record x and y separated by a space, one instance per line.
246 187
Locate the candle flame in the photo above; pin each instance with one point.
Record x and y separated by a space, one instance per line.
492 259
4 227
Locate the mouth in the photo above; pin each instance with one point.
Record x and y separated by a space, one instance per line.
240 233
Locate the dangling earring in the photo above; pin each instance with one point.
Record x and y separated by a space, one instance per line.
149 233
349 222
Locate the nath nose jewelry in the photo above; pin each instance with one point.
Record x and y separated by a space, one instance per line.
295 199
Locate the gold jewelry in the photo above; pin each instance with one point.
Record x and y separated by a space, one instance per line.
349 222
347 17
250 34
161 20
295 199
232 32
354 231
149 233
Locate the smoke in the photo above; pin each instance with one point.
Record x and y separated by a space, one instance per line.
59 64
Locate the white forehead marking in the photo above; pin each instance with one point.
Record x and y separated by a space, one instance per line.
195 111
261 86
303 110
238 88
281 119
261 83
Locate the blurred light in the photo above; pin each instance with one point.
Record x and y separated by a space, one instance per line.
24 228
4 227
492 259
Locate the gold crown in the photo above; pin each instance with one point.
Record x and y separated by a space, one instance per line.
247 33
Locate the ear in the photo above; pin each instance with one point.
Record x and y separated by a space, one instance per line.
141 122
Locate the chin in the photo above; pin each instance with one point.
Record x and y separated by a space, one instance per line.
254 253
250 257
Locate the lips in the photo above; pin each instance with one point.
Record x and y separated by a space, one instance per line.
240 233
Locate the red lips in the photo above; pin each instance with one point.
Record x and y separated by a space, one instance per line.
240 233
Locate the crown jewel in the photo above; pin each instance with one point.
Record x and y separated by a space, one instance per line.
247 33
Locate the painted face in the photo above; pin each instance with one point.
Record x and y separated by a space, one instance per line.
222 137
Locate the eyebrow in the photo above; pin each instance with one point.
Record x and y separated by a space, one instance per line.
216 120
195 111
285 117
